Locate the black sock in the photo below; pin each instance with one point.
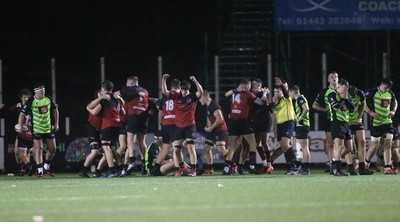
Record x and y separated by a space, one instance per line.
181 164
193 166
350 167
209 166
111 170
291 157
157 166
361 166
306 166
261 152
84 169
120 167
337 165
252 156
47 161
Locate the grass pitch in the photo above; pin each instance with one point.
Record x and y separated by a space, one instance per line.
276 197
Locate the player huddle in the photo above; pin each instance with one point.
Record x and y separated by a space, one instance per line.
123 116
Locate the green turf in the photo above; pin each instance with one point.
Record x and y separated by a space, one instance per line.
276 197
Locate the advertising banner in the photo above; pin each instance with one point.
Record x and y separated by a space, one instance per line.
336 15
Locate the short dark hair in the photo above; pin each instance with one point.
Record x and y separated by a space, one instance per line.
175 83
24 92
387 81
185 85
244 81
295 89
206 94
344 82
107 85
134 78
258 80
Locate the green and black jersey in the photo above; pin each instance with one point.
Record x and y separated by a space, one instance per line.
298 108
381 103
151 155
41 111
341 107
357 100
322 99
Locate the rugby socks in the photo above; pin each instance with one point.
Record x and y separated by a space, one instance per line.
261 152
40 168
157 166
209 166
193 167
84 169
181 165
47 165
337 167
227 166
291 157
305 166
361 165
252 156
268 156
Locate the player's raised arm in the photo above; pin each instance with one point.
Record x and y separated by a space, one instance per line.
200 90
164 87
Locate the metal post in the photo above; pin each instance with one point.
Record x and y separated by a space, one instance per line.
324 70
269 77
160 73
316 121
53 79
385 65
1 82
67 126
216 87
102 69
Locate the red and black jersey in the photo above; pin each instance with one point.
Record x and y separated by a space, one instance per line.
95 121
210 114
167 106
110 113
123 118
185 107
240 106
259 111
136 99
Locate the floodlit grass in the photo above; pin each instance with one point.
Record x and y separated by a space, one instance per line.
276 197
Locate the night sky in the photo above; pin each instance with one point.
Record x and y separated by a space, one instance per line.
129 34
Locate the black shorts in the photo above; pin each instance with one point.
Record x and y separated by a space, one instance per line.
263 124
355 128
396 135
110 133
188 132
302 132
378 131
137 123
42 136
23 143
220 135
122 130
93 134
341 130
285 129
168 133
239 127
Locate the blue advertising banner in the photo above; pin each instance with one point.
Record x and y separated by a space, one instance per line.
325 15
